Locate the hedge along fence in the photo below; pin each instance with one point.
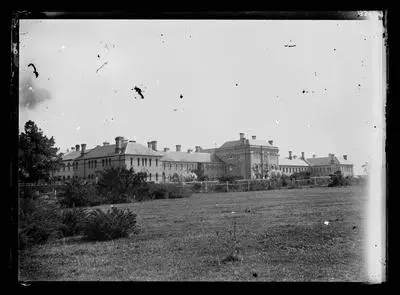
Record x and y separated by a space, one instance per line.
252 184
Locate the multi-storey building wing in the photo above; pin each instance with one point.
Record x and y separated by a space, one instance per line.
293 164
246 158
324 166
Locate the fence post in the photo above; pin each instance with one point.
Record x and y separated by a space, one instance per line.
227 187
248 185
206 186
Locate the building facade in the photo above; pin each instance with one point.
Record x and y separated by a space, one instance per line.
324 166
243 158
293 164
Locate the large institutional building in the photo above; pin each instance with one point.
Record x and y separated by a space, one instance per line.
245 157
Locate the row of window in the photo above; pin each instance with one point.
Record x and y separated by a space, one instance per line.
144 161
181 166
294 169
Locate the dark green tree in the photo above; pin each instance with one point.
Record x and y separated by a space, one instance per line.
37 155
120 180
200 174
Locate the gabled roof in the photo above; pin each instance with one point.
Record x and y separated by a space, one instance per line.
73 155
190 157
326 161
127 148
238 143
259 142
133 148
292 162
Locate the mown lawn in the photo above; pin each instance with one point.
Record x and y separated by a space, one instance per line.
278 236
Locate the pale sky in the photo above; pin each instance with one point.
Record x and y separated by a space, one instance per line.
338 65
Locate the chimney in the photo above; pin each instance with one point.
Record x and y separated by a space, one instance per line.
178 147
198 149
154 145
83 148
345 157
241 136
149 144
290 155
77 147
72 148
118 142
332 158
302 156
189 151
166 149
105 143
314 156
253 137
271 142
294 157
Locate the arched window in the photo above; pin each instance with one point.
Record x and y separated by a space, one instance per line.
138 161
149 162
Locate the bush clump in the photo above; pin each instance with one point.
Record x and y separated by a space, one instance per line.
77 193
113 224
337 179
72 221
39 221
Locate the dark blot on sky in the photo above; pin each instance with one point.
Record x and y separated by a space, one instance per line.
30 95
139 91
34 69
181 96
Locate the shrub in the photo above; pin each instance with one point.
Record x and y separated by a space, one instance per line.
113 224
229 178
176 192
39 221
77 193
158 191
72 221
337 179
196 187
120 181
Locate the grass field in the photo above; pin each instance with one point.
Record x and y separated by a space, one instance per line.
276 235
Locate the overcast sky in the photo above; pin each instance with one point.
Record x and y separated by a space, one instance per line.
308 85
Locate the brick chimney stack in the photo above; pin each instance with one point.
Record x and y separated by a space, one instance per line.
166 149
154 145
189 151
290 155
149 144
345 157
198 149
178 147
302 156
253 137
77 147
118 144
83 148
271 142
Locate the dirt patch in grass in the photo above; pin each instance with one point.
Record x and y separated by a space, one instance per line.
279 236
